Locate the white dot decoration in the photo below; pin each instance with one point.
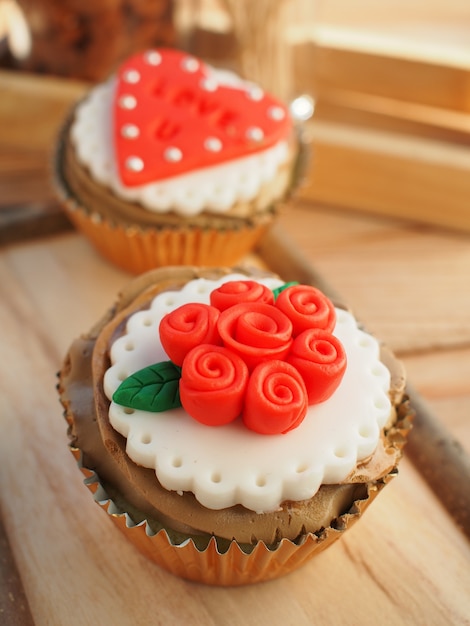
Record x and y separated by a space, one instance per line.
365 341
381 402
254 133
190 64
364 431
276 113
209 84
173 155
213 144
130 131
152 57
340 453
131 76
302 108
134 164
216 477
255 93
127 102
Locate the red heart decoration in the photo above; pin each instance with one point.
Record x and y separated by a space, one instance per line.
171 116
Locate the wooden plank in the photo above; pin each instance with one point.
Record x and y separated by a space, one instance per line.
393 12
31 111
449 395
382 73
442 461
32 107
31 221
357 110
383 173
409 282
14 608
66 548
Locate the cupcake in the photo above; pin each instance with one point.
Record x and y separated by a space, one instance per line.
174 162
232 426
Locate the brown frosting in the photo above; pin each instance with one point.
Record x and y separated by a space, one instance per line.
103 449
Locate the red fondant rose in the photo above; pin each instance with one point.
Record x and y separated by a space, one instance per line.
186 327
256 332
276 398
213 383
321 360
238 291
307 307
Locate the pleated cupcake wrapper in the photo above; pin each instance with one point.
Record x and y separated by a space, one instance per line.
237 565
233 566
137 250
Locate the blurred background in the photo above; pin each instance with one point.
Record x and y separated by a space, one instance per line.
388 82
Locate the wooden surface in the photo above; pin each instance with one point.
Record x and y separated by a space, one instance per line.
406 562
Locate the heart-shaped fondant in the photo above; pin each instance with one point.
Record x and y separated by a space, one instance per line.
172 116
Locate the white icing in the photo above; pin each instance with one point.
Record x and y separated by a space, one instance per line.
230 464
215 188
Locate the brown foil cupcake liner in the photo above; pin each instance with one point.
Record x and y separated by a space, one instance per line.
238 564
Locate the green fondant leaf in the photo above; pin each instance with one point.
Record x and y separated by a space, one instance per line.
278 290
153 388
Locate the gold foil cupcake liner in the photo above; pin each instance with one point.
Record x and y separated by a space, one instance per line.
237 564
138 250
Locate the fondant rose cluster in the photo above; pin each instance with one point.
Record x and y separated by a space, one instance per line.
252 355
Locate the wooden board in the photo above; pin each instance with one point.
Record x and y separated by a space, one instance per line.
405 560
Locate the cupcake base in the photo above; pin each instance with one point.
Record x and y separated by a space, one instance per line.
137 250
234 564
